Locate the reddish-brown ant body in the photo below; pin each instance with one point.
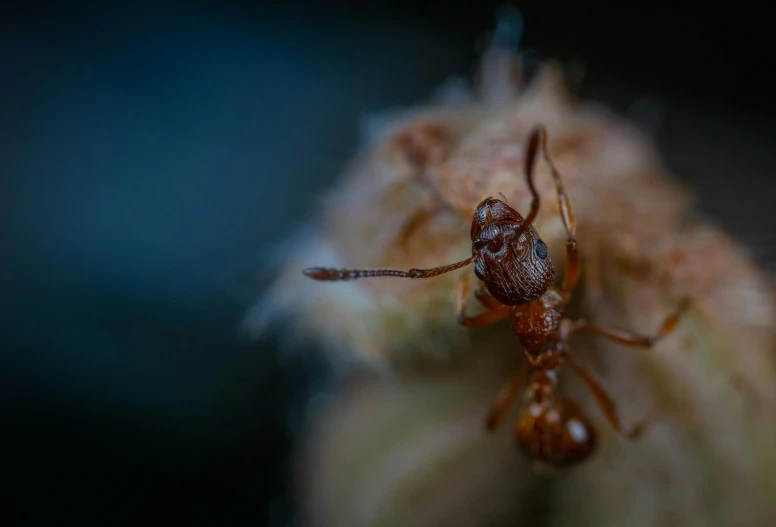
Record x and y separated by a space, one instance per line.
516 277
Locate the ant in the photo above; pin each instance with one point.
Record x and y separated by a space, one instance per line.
512 263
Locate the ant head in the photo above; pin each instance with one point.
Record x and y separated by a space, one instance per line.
515 268
555 432
492 210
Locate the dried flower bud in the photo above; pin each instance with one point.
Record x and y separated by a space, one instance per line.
709 458
407 202
414 451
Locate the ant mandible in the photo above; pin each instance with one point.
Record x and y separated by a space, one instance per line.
513 264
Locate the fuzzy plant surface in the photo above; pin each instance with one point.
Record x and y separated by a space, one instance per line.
402 441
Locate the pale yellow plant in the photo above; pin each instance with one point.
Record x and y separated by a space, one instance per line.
409 448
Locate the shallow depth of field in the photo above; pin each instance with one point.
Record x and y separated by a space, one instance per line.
170 168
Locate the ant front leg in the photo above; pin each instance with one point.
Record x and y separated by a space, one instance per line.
485 298
632 339
495 313
572 270
606 403
537 141
571 276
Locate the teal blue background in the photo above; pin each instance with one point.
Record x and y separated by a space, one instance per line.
148 159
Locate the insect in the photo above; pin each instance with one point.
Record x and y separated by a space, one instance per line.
516 277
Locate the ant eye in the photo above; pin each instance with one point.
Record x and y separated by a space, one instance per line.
541 249
495 245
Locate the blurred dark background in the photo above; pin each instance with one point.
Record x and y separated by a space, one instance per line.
144 152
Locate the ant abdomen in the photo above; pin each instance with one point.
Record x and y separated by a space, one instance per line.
555 432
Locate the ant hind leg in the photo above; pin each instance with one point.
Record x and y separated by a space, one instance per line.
607 404
504 399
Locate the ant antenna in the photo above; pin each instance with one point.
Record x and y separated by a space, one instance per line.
539 138
340 275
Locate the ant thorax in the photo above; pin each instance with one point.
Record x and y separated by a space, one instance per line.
536 324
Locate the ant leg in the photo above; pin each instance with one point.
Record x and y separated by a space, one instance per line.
572 270
606 403
564 204
505 398
632 339
538 139
567 215
485 298
483 319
